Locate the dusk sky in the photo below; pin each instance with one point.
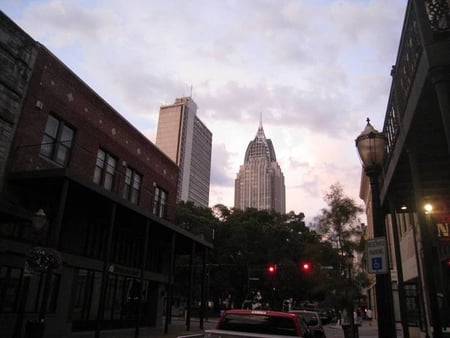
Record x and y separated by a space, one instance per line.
313 69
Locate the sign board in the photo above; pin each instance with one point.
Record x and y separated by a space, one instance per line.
377 255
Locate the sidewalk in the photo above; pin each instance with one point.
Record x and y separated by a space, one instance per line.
364 330
176 328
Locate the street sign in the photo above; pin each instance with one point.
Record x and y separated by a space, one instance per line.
376 255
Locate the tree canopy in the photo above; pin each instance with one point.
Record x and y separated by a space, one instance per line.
247 241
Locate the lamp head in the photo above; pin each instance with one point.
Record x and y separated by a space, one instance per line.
39 220
371 146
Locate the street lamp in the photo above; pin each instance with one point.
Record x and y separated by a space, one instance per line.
371 148
429 257
43 260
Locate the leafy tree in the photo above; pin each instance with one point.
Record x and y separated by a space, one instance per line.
221 212
250 239
246 241
339 224
198 220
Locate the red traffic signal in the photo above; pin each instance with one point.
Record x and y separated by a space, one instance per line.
305 266
271 269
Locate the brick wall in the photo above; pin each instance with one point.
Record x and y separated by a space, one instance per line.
55 89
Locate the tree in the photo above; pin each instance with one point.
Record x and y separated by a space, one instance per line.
248 240
340 225
245 242
198 220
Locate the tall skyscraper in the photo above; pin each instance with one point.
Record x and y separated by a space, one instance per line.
183 137
260 182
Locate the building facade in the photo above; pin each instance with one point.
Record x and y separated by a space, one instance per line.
415 180
260 182
87 203
184 138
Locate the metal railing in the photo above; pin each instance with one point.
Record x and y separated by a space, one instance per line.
403 74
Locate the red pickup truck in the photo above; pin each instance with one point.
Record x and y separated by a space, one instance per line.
259 324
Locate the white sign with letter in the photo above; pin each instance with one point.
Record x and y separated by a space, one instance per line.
376 255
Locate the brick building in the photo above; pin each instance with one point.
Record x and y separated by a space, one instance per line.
87 204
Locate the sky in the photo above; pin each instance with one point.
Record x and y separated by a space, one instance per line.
313 70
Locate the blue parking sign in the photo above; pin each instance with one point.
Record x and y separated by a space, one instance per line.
376 255
377 264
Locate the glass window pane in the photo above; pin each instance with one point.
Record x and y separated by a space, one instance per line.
97 175
11 285
134 196
111 165
54 290
101 155
62 155
137 182
118 298
67 135
128 175
126 190
47 146
51 128
95 294
108 182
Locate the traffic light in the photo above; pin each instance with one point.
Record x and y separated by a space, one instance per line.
271 269
305 266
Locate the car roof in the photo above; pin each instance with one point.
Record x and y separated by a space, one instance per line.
260 312
303 311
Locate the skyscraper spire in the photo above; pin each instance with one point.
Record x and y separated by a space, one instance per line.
260 133
260 181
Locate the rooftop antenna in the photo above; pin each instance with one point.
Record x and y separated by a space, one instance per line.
191 91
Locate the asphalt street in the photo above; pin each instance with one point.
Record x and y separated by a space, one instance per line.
178 328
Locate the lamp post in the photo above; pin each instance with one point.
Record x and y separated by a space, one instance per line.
42 260
429 259
371 148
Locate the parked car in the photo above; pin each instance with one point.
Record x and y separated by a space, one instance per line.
313 321
261 324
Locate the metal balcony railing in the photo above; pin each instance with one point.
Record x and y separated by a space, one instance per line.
403 74
431 26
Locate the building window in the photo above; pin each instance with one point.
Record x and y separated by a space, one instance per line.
9 288
105 169
160 202
87 297
13 284
132 186
57 141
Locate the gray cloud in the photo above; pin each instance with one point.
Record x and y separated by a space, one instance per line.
315 68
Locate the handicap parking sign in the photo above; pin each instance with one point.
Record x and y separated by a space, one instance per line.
376 255
377 264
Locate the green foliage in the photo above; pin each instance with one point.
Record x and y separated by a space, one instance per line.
198 220
246 241
339 224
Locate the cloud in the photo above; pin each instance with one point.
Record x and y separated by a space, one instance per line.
314 69
221 170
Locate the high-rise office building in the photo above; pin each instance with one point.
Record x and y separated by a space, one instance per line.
183 137
260 182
